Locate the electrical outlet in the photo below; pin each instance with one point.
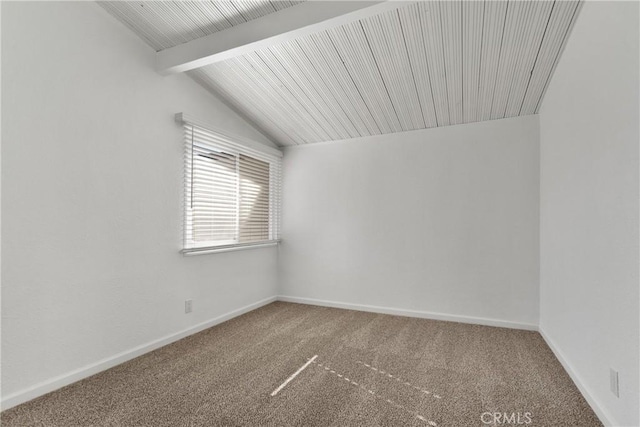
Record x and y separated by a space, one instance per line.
613 382
188 306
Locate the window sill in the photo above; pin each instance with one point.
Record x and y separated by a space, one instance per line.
228 248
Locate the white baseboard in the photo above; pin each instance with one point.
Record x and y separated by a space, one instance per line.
602 414
104 364
412 313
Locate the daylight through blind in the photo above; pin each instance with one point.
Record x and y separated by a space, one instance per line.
232 192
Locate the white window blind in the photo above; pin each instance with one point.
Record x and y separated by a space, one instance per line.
232 190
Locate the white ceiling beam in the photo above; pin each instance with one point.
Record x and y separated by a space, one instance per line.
279 27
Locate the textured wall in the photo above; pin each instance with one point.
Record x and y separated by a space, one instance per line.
589 206
91 187
442 220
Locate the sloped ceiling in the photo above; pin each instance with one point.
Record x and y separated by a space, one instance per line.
165 24
422 65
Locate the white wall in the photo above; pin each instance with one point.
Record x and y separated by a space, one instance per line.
91 187
442 220
589 207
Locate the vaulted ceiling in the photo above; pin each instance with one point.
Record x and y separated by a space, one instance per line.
407 66
165 24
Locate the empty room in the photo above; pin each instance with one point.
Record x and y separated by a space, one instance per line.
320 213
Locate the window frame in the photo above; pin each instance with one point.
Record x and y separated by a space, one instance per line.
234 146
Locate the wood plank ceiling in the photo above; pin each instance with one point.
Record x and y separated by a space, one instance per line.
165 24
425 64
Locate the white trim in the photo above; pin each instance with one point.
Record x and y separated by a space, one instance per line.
104 364
604 416
182 118
228 248
412 313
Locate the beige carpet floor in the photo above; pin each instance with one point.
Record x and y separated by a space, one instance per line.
370 370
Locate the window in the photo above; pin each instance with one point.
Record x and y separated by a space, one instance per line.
232 191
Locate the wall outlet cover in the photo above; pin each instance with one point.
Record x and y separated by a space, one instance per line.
613 382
